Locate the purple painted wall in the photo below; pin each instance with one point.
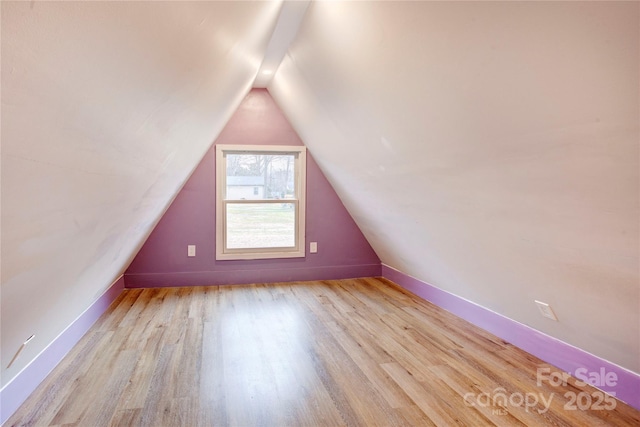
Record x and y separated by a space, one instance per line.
343 252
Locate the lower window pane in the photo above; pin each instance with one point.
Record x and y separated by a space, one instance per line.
261 225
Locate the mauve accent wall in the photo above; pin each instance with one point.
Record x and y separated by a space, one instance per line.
343 252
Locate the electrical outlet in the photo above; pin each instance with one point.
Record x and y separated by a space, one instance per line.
546 311
313 247
17 355
191 250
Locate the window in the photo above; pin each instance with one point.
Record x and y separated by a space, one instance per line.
260 202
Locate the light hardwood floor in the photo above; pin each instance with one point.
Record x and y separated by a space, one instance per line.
330 353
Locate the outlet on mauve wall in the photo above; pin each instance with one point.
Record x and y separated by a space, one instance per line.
191 250
313 247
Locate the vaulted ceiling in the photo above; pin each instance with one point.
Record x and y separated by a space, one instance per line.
490 149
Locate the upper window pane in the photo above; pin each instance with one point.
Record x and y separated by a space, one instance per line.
260 176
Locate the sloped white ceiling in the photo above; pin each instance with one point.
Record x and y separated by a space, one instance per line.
490 149
107 107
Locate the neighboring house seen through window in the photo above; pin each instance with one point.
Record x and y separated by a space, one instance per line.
260 201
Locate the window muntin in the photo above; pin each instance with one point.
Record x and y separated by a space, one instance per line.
260 202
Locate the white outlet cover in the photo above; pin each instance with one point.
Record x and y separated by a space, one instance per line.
313 247
191 250
546 311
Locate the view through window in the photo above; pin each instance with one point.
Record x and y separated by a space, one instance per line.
260 202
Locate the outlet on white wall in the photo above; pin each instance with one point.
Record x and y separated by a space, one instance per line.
191 250
546 311
17 355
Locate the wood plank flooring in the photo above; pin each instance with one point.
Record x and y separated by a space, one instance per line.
359 352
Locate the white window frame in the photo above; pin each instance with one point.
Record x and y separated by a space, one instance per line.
299 201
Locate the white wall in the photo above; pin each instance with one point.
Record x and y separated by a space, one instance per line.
106 109
490 149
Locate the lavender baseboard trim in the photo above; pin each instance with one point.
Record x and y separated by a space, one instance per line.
19 388
551 350
238 277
